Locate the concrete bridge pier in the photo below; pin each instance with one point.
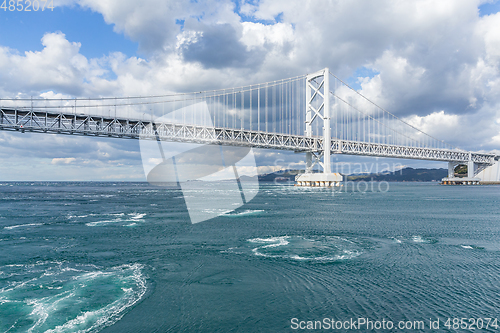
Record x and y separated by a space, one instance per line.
471 167
477 174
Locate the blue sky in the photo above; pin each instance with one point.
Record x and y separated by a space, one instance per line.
435 64
23 31
489 8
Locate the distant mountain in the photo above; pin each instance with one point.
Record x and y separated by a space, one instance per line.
282 175
404 175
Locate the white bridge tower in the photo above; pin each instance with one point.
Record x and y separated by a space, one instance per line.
318 110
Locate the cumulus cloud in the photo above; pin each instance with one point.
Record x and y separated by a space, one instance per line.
67 160
217 46
151 23
435 64
58 66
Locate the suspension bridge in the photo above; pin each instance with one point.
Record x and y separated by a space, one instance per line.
317 114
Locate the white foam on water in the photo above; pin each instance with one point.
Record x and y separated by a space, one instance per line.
347 255
69 298
418 239
137 216
215 211
121 219
96 223
111 313
15 265
278 241
41 309
22 226
269 240
320 249
282 242
397 240
243 213
117 214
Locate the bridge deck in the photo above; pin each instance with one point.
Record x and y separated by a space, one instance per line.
79 124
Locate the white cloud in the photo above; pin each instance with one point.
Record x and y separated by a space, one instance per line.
67 160
437 63
259 35
59 65
487 29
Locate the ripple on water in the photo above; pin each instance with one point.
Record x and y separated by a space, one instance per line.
243 213
120 219
421 239
22 226
61 297
309 248
415 239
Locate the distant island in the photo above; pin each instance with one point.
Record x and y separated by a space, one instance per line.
403 175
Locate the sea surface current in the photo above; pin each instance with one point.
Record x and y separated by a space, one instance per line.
124 257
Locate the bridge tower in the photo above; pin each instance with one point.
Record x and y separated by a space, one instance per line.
318 109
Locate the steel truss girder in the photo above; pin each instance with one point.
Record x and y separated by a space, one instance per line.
60 123
385 150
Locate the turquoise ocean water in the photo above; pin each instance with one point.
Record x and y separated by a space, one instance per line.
123 257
